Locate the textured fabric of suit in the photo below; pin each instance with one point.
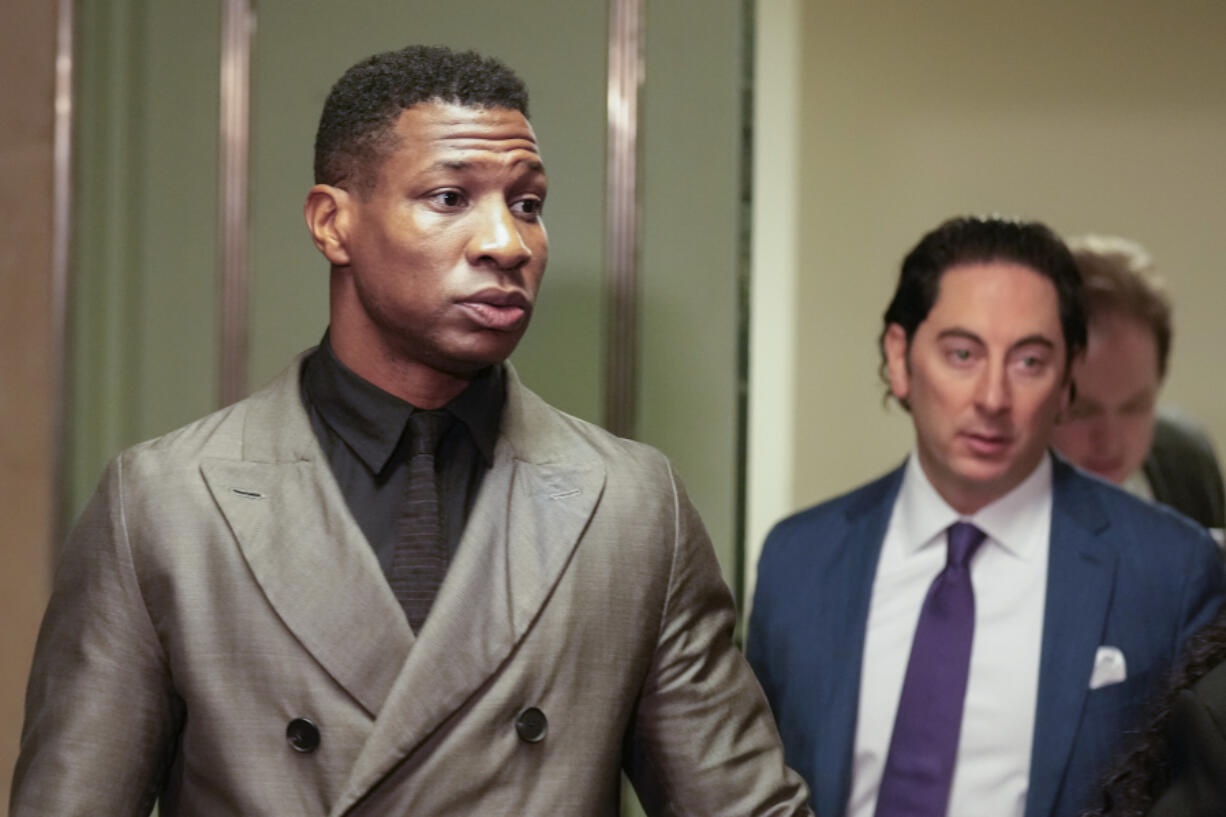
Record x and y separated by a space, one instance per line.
1122 572
1197 739
1182 470
216 588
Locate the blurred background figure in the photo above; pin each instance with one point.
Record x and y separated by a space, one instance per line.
1114 428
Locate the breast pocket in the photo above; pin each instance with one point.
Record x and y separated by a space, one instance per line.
1112 716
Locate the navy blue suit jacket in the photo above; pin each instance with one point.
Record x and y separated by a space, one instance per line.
1122 572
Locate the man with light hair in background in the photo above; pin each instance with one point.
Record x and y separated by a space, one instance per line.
1114 428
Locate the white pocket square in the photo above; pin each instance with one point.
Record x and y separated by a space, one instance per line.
1109 667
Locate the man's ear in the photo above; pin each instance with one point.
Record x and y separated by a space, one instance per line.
1068 390
327 211
895 343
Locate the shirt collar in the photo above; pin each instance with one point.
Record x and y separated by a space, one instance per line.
1015 521
371 421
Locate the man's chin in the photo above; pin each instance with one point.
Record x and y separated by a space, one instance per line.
990 475
473 359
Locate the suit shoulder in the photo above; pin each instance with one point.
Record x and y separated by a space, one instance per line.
1149 527
222 433
1176 432
218 434
613 451
832 514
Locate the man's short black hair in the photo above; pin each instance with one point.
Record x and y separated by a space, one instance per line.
356 128
974 240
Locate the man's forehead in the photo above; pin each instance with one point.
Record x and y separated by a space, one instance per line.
1000 283
446 126
1001 300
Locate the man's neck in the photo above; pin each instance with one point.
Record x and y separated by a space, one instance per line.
410 380
968 498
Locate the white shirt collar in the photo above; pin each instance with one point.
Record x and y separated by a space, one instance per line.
1137 484
1014 521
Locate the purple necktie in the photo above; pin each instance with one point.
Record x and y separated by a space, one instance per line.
420 559
920 765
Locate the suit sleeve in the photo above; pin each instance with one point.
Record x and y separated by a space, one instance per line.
101 715
704 742
1204 587
1197 760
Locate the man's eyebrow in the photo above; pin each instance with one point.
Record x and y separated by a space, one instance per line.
964 334
459 165
1085 402
1031 340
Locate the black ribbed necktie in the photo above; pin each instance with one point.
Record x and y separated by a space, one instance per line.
420 560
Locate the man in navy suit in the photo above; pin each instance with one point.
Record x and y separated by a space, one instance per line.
996 677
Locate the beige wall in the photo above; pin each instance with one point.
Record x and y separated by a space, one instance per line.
27 48
1101 115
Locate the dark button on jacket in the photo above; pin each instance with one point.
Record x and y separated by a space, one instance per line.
531 725
303 736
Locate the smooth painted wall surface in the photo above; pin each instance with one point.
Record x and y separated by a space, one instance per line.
145 321
28 370
692 223
1099 116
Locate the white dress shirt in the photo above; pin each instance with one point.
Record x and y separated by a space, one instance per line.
1009 575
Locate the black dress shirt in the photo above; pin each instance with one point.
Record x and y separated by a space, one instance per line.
363 430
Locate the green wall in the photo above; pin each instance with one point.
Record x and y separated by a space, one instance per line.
144 311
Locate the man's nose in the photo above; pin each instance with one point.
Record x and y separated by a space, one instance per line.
995 392
1104 433
497 239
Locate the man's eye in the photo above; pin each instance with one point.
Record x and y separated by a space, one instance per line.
448 198
1032 364
529 207
960 355
1083 411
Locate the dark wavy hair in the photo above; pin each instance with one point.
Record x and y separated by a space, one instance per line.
357 126
1143 772
979 240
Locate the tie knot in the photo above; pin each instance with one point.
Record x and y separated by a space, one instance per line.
426 428
964 540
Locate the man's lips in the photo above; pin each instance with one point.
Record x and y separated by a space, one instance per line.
500 309
987 443
1109 466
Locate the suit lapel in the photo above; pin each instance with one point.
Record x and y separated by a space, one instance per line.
306 552
534 505
1080 578
849 581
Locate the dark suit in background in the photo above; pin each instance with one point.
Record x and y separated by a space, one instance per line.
1183 472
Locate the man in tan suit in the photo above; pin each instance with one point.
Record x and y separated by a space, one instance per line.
230 628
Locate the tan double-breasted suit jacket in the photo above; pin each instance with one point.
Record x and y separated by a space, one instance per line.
216 590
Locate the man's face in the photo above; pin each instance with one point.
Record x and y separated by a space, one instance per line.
1109 427
985 379
445 256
